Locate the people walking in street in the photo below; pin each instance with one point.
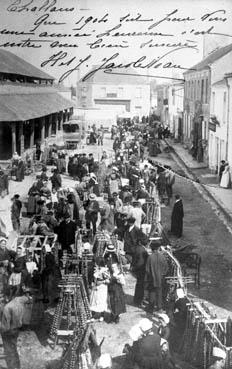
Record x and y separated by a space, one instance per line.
56 179
91 212
116 293
99 304
221 170
66 233
170 180
146 350
138 268
225 179
156 269
16 212
177 217
132 237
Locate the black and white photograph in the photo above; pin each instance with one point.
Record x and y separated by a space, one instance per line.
115 184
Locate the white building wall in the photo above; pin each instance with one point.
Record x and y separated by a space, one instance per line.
220 103
220 67
138 95
229 158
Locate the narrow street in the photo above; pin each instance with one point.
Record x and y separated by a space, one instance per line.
201 228
213 241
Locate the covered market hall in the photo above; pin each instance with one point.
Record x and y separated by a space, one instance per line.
31 109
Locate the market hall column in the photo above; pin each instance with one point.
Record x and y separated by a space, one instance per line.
61 120
21 138
50 125
32 133
13 132
56 122
42 129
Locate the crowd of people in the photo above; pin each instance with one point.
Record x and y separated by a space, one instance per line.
108 201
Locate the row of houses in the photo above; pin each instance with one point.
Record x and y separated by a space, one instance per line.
199 109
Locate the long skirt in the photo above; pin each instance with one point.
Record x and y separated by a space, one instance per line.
225 181
99 299
117 298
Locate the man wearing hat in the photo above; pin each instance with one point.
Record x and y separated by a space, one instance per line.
146 351
156 269
163 329
91 212
66 233
133 236
138 213
218 359
139 267
16 212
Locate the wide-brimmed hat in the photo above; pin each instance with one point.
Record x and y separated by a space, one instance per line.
164 317
92 196
180 293
3 239
110 247
135 332
47 248
145 324
217 352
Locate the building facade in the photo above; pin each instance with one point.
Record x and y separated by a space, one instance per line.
196 112
175 109
197 122
31 109
122 93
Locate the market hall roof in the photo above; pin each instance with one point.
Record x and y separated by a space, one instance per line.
210 59
12 64
22 106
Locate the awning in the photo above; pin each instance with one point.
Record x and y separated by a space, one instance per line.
21 107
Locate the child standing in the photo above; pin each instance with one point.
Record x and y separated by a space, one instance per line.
116 293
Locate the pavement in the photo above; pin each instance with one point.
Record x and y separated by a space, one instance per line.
206 177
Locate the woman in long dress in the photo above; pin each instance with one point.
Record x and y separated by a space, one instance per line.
116 293
225 181
99 295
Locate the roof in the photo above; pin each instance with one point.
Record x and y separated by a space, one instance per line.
211 58
125 76
21 107
12 64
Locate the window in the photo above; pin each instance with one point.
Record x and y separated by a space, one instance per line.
192 90
138 92
213 102
202 90
120 91
103 92
224 108
206 90
173 96
198 90
111 94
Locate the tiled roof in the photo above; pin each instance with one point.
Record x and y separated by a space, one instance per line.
211 58
12 64
21 107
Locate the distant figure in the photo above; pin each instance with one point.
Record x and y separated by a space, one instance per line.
221 170
177 217
225 180
156 269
